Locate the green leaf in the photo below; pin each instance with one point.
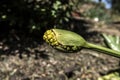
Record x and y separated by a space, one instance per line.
112 42
112 76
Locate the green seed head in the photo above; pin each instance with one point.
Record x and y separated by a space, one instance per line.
64 40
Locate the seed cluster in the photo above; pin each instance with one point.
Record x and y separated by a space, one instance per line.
50 38
71 48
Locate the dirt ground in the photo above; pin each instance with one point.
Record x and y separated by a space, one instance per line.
27 58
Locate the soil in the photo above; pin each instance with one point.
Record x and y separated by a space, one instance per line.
28 58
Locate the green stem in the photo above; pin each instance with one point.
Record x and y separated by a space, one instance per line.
103 49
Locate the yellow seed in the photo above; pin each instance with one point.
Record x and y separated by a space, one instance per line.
54 38
52 33
68 48
47 41
52 44
56 43
64 46
48 32
51 40
74 48
49 36
44 37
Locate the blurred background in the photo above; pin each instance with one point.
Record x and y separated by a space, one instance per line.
25 56
33 17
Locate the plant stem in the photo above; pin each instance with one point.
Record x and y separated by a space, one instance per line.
103 49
